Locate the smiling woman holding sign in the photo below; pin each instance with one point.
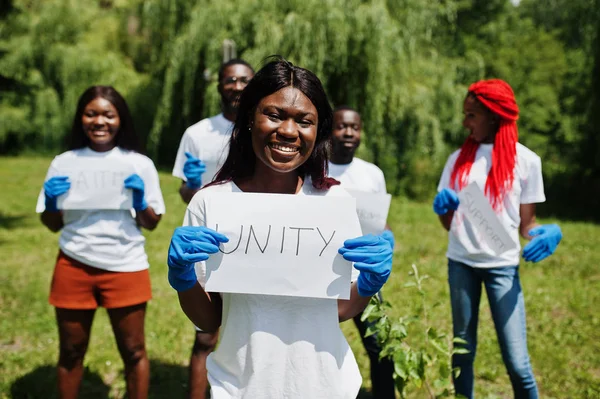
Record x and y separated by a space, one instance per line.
100 193
286 345
484 231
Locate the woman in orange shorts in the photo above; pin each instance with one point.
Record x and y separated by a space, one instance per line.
102 260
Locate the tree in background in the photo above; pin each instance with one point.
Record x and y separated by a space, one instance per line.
405 64
377 56
50 51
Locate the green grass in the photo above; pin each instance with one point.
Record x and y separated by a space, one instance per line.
561 296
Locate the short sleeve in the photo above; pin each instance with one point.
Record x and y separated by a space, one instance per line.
152 189
194 216
447 172
186 145
41 202
532 184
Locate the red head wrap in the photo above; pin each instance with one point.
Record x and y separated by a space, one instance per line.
497 96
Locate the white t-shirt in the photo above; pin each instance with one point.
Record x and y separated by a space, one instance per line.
108 239
207 140
359 175
466 244
277 346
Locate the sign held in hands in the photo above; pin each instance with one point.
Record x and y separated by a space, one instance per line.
95 184
372 210
281 244
480 213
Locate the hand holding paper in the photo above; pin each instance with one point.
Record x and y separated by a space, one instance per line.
189 245
446 200
193 170
389 236
54 187
373 257
135 183
544 242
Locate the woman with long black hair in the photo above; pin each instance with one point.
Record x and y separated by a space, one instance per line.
276 346
102 260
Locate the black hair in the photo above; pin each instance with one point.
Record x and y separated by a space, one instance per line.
126 137
345 108
274 76
233 61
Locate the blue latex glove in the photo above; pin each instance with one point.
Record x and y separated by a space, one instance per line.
193 170
190 245
389 236
372 255
54 187
544 242
135 183
446 200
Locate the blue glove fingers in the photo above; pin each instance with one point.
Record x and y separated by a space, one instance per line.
195 234
368 239
444 201
134 182
533 249
389 237
215 234
56 186
538 255
184 248
383 267
191 252
57 189
190 157
537 231
533 246
369 257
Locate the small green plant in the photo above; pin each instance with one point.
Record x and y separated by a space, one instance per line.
423 360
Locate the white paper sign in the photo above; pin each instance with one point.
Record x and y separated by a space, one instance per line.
95 183
281 244
480 213
372 210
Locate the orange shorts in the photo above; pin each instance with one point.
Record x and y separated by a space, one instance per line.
79 286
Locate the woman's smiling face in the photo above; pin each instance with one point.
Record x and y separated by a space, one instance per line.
101 124
284 130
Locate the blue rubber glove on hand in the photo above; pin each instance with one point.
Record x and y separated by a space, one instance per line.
193 170
446 200
389 236
372 255
53 188
135 183
189 245
544 242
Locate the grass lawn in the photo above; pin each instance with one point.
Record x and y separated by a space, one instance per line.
560 294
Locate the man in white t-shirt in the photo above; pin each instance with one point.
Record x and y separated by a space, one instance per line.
206 142
354 173
202 152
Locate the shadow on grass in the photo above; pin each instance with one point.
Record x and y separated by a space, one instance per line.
11 221
167 380
41 383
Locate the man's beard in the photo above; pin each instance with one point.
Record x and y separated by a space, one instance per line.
230 106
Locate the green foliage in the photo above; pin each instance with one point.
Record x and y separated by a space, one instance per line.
404 64
423 359
377 56
47 60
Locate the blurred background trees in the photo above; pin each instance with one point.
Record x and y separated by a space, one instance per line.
405 64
